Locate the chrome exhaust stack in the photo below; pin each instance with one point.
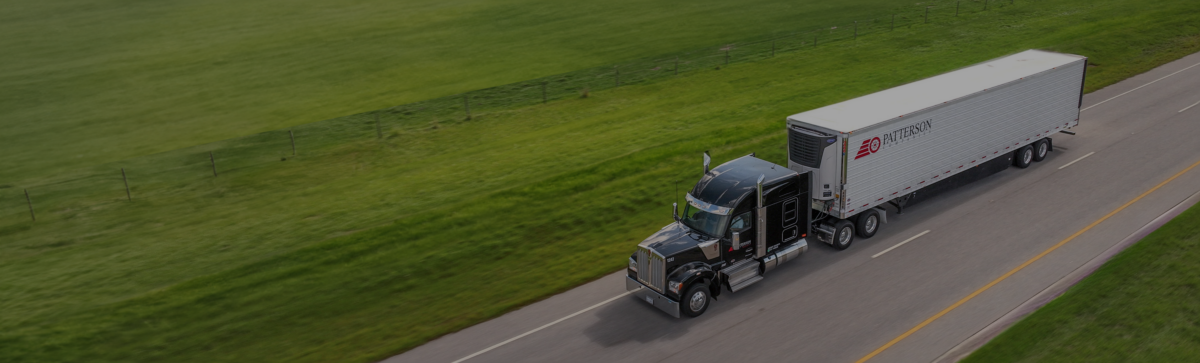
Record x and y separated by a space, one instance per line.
760 217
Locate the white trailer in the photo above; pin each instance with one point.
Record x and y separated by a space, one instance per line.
887 146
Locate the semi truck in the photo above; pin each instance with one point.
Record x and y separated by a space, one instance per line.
847 164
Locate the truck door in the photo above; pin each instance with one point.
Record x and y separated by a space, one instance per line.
743 224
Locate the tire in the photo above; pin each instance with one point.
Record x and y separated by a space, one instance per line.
843 234
695 301
1023 157
1041 148
867 223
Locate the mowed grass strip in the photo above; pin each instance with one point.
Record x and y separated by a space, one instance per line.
365 249
1141 306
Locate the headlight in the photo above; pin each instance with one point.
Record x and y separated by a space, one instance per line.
632 264
674 286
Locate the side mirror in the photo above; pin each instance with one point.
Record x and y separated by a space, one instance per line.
737 241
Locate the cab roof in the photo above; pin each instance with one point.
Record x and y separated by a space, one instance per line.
728 183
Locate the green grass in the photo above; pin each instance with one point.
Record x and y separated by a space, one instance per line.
1141 306
358 248
89 82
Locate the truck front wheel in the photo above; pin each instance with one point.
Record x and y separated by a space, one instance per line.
843 234
1023 157
867 223
695 301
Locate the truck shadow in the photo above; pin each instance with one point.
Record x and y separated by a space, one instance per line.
631 320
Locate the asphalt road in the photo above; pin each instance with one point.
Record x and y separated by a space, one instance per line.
842 306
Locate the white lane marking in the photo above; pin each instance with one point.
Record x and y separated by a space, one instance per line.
900 244
1140 87
543 327
1186 108
1076 160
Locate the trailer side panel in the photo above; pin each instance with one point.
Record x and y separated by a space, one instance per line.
895 158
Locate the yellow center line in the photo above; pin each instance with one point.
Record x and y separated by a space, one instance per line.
1018 268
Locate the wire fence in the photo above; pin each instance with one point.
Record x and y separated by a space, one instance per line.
177 171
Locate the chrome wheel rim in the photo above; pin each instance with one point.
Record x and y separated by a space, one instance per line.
697 301
1027 156
872 222
1042 150
844 239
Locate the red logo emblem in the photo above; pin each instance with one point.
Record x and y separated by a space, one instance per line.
868 147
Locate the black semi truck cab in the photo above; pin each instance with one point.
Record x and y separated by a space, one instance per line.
742 219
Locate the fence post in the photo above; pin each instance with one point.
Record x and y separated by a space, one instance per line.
543 92
293 136
926 15
467 106
856 30
985 5
957 5
213 160
676 65
378 133
30 201
127 194
893 22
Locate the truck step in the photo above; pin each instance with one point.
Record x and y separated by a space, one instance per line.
742 274
744 283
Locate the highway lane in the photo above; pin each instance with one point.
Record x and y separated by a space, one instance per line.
833 306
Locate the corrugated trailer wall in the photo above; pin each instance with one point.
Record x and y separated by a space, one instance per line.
906 154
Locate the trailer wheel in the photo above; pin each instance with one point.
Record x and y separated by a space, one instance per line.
695 301
867 223
843 234
1023 157
1040 149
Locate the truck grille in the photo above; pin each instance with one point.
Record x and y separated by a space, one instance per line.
651 269
805 148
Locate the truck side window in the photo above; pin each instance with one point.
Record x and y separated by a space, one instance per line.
740 223
789 212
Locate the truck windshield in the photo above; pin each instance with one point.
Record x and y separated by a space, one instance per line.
706 222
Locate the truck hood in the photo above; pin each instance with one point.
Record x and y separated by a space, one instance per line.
673 239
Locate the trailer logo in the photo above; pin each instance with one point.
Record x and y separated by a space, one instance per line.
871 146
868 147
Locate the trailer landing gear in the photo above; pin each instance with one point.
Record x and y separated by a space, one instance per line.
902 201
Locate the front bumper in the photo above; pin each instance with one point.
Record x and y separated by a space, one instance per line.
648 295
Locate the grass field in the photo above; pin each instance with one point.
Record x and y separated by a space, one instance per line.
352 251
88 82
1139 307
